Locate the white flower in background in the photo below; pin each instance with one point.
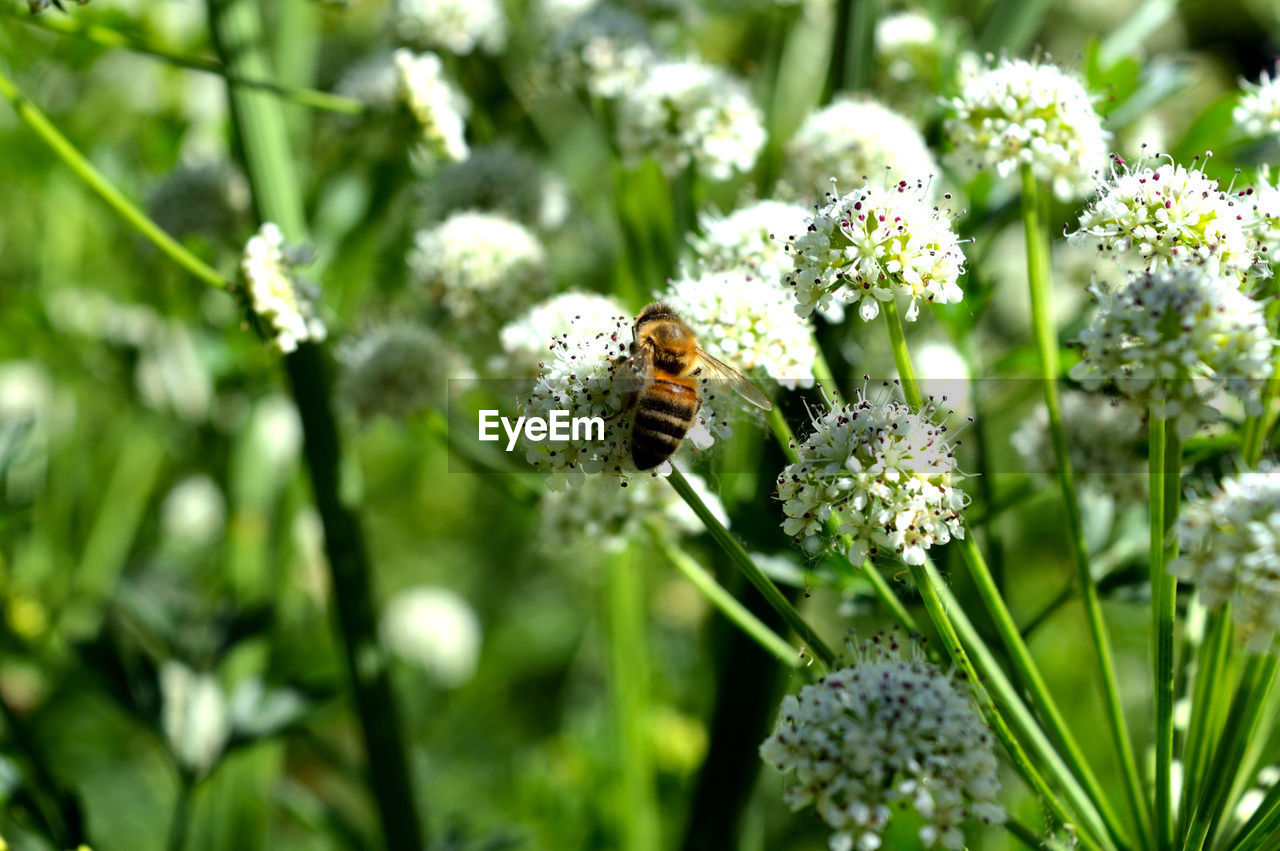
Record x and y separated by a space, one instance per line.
194 513
399 369
1229 548
688 112
856 142
1173 340
906 45
1264 235
274 295
482 267
29 415
748 322
373 80
273 439
96 316
875 243
1257 113
604 514
884 471
1154 218
193 715
888 731
433 629
1105 441
458 26
943 375
439 107
170 375
606 51
497 179
529 340
1020 112
555 15
751 239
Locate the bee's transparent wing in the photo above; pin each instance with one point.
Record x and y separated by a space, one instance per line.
712 368
632 373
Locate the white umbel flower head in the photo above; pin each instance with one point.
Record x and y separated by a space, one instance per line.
601 514
1104 439
1257 113
688 112
437 105
399 369
480 267
1173 340
605 51
458 26
1022 112
751 239
749 322
273 293
884 471
873 244
906 43
433 629
1154 218
528 341
889 730
855 141
1229 548
1264 235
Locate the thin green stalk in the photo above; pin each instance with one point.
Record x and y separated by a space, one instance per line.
1257 428
1207 719
719 596
82 169
238 37
181 812
754 574
1039 282
901 355
108 37
1165 465
1262 826
823 375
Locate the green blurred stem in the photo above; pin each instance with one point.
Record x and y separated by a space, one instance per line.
1040 285
823 375
719 596
108 37
753 573
1258 427
238 38
852 59
1208 703
181 812
901 355
1259 831
84 170
1164 465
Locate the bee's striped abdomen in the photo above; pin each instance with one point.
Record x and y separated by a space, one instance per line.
664 412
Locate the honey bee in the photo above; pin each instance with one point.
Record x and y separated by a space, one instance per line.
665 367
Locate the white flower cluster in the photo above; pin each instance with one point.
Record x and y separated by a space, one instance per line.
888 731
875 243
1258 111
1105 442
481 267
855 141
459 26
604 514
529 340
274 295
1230 549
434 629
605 50
1021 112
749 322
689 112
1264 235
751 239
437 105
1159 217
906 43
399 369
884 471
1173 340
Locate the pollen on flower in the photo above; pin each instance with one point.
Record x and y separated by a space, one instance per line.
884 472
274 295
1257 113
888 731
873 244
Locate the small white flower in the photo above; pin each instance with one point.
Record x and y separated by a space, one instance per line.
433 629
1257 113
1154 218
1173 340
1105 442
888 731
1264 235
749 322
751 239
856 141
906 44
439 107
875 243
482 267
688 112
400 369
1229 548
273 293
194 512
459 26
193 715
1021 112
529 340
884 471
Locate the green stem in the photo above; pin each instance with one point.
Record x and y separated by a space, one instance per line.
1262 826
1165 464
181 813
108 37
754 574
123 207
719 596
1208 703
823 375
1039 281
901 355
1257 428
